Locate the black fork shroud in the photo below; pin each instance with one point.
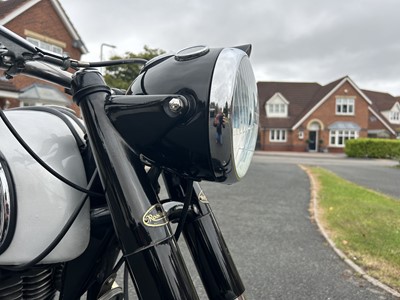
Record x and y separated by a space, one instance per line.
207 246
150 250
151 253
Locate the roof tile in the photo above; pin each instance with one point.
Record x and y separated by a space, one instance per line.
6 7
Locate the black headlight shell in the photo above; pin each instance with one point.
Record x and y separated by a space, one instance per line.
211 86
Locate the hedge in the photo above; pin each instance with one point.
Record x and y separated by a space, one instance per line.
373 148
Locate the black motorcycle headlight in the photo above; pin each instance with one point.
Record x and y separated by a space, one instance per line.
194 113
7 206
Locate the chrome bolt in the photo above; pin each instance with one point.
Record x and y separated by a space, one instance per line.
175 105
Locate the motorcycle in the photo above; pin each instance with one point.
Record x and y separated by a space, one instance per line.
79 199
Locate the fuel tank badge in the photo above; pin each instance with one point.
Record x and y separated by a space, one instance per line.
155 216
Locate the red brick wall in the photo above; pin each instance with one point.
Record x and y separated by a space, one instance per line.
327 111
292 142
43 19
326 115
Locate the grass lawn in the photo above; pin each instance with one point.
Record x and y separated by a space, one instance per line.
364 224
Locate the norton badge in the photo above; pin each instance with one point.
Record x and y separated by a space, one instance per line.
155 216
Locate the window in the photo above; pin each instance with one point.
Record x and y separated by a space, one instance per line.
337 138
277 107
277 135
394 116
345 106
45 46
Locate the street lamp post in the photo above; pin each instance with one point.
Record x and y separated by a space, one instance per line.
101 53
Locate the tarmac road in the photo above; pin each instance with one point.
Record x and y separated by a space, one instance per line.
278 249
377 174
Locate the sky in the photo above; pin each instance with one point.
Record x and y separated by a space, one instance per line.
302 41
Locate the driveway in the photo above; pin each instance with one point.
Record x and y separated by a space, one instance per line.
377 174
278 249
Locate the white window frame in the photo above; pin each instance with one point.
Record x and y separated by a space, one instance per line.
394 117
338 138
345 106
277 135
277 107
45 45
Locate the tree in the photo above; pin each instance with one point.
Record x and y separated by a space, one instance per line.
121 76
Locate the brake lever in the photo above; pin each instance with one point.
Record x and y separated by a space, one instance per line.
15 68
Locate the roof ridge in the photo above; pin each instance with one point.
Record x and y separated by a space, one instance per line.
288 82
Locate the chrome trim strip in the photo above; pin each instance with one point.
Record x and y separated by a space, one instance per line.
6 206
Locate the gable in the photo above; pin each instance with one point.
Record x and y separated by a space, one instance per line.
396 107
277 98
384 107
333 88
393 114
297 94
276 106
46 17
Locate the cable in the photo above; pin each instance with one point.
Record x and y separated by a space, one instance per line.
118 265
188 200
126 282
60 235
41 162
139 61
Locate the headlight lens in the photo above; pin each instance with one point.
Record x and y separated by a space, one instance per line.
234 114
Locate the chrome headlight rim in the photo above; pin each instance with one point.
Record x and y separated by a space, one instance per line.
232 76
8 205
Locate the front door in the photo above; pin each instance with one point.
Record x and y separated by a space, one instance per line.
312 141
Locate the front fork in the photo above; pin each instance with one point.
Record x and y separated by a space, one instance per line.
151 253
207 246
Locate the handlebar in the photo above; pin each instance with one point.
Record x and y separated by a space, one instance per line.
48 72
17 55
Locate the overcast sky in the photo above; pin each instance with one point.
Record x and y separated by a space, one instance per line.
308 40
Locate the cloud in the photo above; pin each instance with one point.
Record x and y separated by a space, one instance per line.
306 40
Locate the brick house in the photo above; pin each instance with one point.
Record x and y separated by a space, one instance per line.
298 116
44 23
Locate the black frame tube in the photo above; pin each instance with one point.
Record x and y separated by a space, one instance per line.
151 253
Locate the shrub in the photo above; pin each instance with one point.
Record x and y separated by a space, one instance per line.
373 148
